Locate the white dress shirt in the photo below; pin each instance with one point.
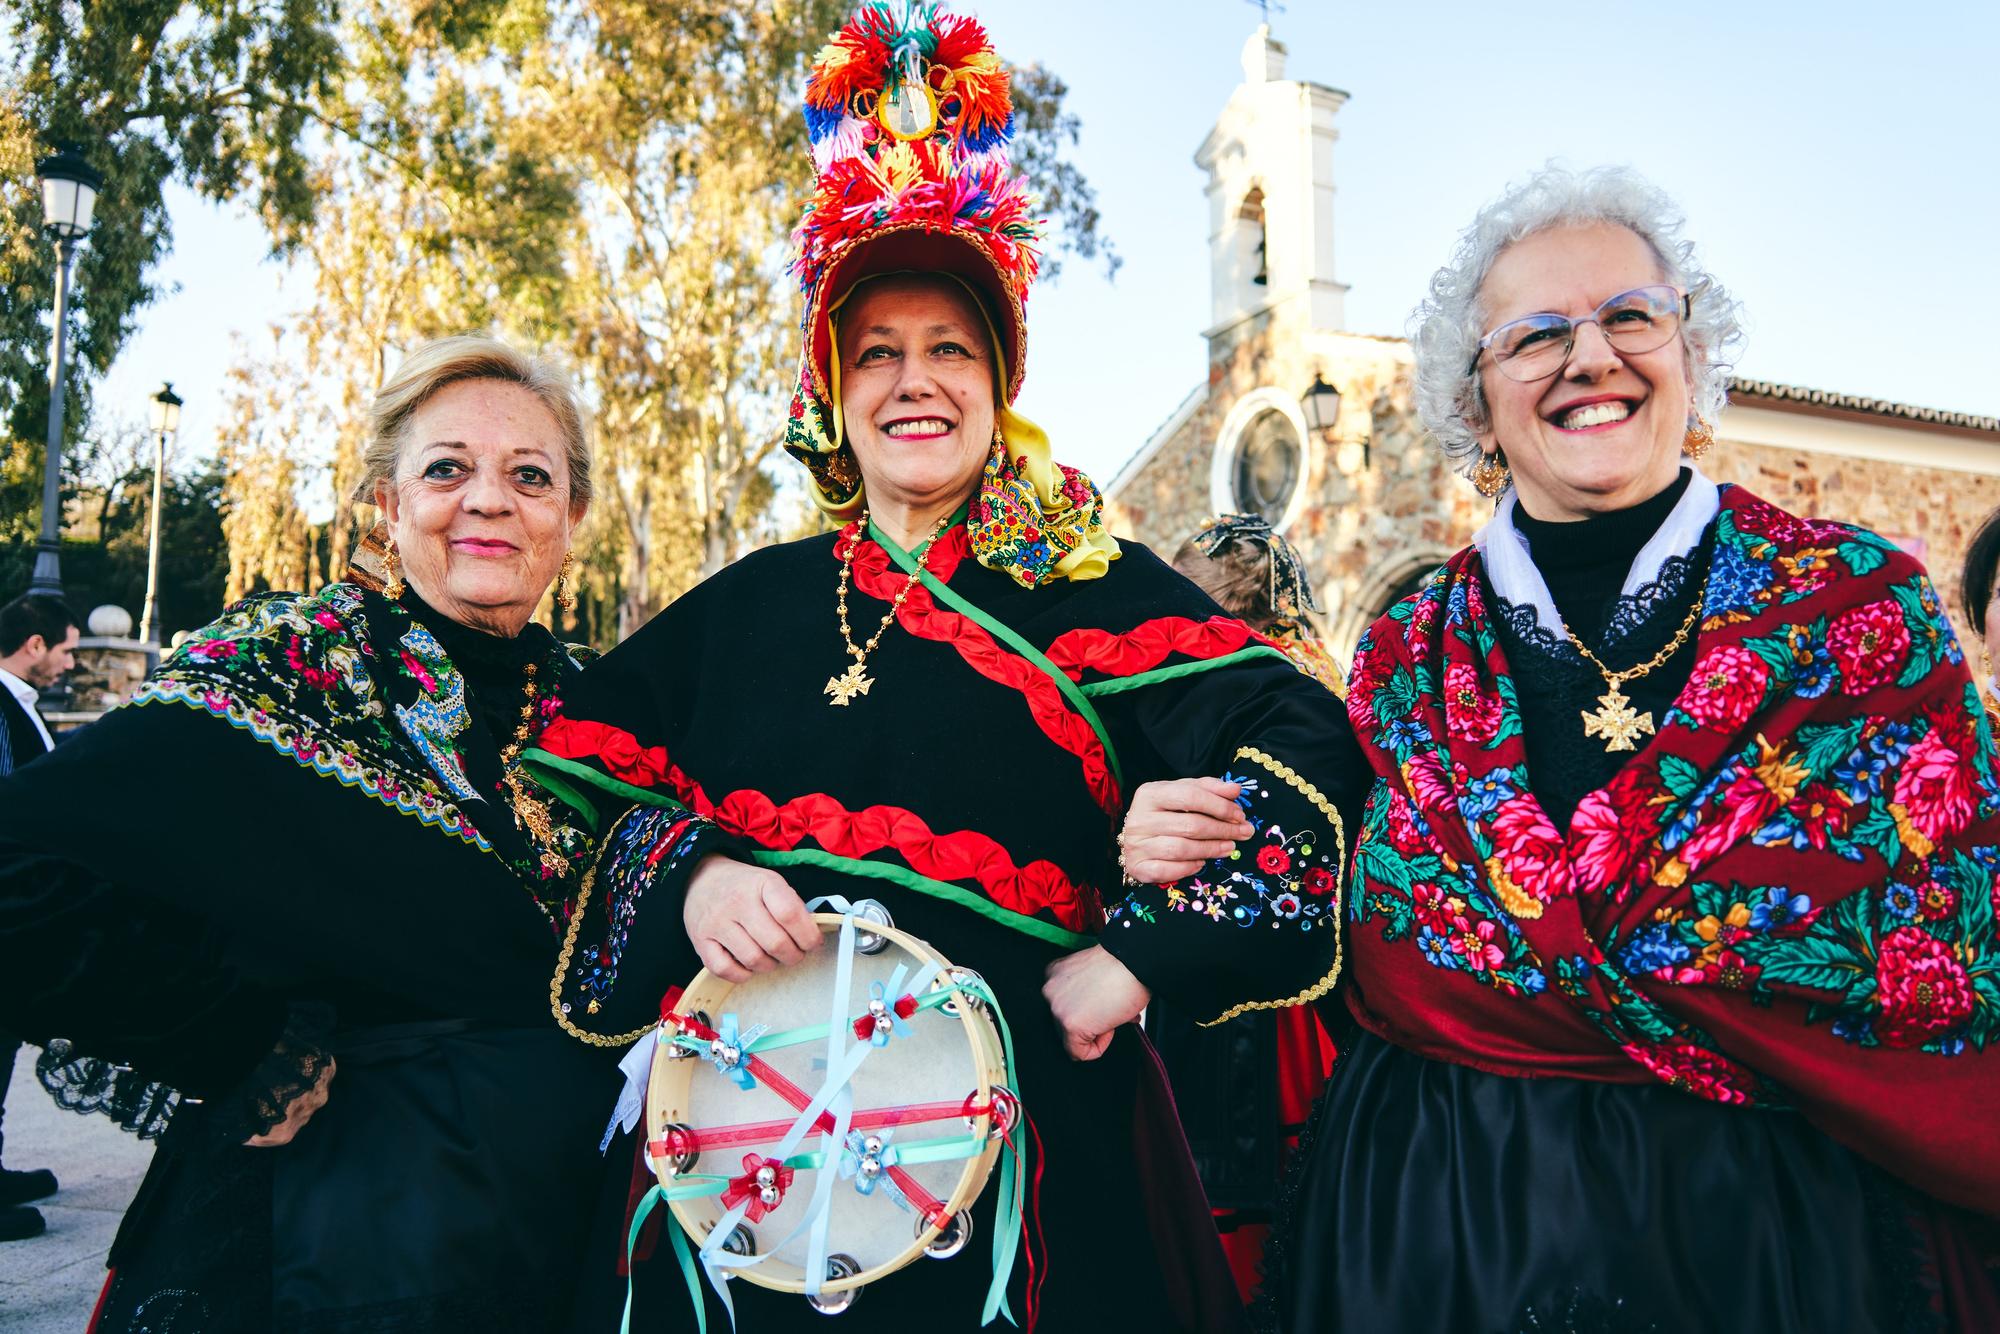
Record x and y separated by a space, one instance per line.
27 695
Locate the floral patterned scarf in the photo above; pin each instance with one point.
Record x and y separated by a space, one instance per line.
347 683
1786 899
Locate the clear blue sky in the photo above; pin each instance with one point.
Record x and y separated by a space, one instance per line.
1839 164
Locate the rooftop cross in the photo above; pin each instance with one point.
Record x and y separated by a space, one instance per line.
1266 6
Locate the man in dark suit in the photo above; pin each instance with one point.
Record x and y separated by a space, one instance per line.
37 642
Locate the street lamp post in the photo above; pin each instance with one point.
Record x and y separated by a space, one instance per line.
1320 406
69 194
166 421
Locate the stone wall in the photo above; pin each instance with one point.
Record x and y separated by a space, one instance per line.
1930 512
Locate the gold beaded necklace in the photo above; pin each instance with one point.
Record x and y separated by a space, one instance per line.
1614 718
855 680
530 811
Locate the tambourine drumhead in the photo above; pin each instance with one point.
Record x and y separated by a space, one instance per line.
950 1055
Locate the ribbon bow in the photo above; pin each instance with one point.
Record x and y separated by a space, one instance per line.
884 1016
761 1187
729 1051
866 1159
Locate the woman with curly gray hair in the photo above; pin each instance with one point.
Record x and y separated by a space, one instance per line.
1671 988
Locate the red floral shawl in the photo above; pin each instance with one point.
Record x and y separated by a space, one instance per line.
1787 898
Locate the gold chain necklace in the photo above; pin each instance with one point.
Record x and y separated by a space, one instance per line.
530 811
855 680
1614 718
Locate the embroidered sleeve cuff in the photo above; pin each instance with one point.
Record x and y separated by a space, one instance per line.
604 993
1259 929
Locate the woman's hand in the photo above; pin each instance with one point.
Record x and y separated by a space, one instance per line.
297 1112
745 919
1091 994
1172 829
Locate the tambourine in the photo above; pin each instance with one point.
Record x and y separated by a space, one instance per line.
818 1127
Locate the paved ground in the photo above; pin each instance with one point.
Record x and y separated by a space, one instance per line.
48 1285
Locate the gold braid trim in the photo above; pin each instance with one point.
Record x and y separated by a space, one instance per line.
1318 799
562 967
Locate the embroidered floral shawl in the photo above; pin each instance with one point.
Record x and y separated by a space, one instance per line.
348 684
1787 898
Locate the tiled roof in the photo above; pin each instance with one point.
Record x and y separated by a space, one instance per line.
1874 407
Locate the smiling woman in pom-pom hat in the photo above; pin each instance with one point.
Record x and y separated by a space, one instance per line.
944 707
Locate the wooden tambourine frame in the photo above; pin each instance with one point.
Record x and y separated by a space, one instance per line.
669 1091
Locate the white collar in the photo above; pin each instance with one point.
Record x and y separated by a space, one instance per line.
1512 569
20 689
28 696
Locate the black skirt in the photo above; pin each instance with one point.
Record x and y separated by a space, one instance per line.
1433 1197
446 1185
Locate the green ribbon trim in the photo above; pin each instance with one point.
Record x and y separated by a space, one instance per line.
553 772
1179 669
1005 633
937 889
639 1217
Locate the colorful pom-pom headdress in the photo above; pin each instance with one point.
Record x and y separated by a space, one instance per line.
909 113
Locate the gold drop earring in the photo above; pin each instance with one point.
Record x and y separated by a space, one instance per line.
392 573
1700 439
565 595
1491 476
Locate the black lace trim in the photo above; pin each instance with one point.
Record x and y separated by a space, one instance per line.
92 1087
287 1073
1524 626
1635 611
1631 614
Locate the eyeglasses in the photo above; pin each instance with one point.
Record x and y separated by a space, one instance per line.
1535 347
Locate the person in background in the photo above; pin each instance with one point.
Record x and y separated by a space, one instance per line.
37 648
1257 576
1978 590
37 643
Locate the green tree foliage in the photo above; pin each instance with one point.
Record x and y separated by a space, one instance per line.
613 180
218 95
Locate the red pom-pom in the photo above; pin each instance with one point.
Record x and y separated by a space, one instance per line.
960 37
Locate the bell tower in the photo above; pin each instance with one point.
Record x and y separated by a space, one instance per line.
1269 162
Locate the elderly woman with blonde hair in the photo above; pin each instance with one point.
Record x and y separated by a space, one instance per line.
1671 983
298 884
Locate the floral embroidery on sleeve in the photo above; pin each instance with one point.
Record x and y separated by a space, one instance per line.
1284 874
648 843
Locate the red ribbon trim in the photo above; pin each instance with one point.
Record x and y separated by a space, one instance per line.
966 855
922 617
1150 643
766 1132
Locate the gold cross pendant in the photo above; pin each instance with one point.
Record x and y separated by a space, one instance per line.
848 684
1616 721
